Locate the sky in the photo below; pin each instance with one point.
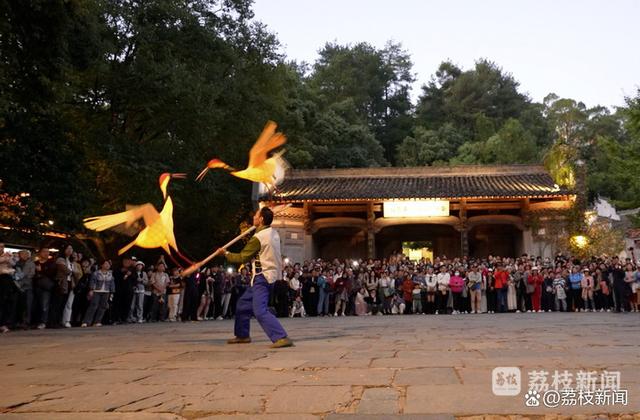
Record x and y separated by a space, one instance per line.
585 50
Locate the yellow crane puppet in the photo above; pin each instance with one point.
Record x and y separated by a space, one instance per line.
158 230
268 171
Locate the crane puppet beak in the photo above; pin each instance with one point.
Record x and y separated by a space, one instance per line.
200 177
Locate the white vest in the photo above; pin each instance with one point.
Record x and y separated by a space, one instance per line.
269 257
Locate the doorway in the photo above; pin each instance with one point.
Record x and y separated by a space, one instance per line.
417 250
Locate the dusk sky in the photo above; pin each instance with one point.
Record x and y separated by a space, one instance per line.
584 50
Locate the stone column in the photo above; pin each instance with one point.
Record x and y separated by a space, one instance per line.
290 226
308 247
527 242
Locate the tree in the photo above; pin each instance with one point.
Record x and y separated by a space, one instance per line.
511 144
484 106
325 139
99 98
559 161
431 110
47 47
185 82
376 82
569 119
601 139
429 147
459 97
614 165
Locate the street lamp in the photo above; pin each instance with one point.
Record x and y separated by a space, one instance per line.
579 241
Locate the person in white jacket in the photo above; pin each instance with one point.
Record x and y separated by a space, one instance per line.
431 282
442 294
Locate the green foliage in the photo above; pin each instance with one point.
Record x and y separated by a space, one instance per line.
107 95
614 172
601 240
569 118
429 147
375 82
498 123
324 138
511 144
460 97
97 98
635 220
484 127
46 46
632 113
329 141
559 162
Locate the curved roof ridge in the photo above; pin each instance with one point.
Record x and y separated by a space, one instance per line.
417 171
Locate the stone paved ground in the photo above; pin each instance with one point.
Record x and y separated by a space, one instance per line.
341 368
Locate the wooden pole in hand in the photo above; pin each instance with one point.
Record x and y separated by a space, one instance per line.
199 264
276 210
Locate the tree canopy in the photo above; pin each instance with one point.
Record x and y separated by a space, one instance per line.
97 98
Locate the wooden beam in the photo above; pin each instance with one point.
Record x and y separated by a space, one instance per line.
550 205
525 211
349 208
487 206
371 235
463 206
495 219
383 222
329 222
471 204
308 215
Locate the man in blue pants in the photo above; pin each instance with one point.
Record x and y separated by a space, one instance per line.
264 249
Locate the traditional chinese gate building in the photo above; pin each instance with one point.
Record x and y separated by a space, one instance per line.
371 212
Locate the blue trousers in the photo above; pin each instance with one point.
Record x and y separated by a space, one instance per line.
502 299
254 302
323 303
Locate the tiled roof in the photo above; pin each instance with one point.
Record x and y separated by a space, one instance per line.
450 182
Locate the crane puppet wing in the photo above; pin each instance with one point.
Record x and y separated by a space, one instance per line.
127 218
267 141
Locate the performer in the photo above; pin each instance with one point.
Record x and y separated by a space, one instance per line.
264 249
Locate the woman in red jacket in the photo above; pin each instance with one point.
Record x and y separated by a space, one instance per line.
536 280
407 290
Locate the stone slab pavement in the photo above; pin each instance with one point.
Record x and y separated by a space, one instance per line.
376 367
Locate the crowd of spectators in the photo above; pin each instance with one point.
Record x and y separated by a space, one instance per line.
397 285
69 289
